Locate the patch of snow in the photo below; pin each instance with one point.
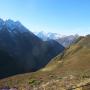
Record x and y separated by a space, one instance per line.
48 35
11 26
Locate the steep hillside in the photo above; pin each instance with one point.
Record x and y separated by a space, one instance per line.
29 52
76 57
67 71
10 63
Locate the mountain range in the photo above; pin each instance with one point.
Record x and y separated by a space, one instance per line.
62 39
26 51
27 62
48 35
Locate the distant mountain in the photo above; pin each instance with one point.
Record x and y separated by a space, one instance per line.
62 39
67 40
28 52
48 35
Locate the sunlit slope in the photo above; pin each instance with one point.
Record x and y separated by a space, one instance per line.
76 58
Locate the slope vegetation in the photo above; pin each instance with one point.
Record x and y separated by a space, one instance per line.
67 71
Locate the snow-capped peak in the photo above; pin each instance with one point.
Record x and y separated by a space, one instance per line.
48 35
11 25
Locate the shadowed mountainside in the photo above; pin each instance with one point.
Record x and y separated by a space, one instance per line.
28 51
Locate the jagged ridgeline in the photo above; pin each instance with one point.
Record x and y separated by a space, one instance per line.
21 51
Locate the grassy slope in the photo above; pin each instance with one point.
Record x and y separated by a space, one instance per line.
74 61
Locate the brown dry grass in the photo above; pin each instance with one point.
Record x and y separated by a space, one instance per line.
73 61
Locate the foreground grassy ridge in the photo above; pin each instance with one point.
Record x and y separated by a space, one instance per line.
65 72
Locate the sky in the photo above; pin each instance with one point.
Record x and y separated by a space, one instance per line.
60 16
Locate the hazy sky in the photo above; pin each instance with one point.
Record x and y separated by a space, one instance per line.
61 16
